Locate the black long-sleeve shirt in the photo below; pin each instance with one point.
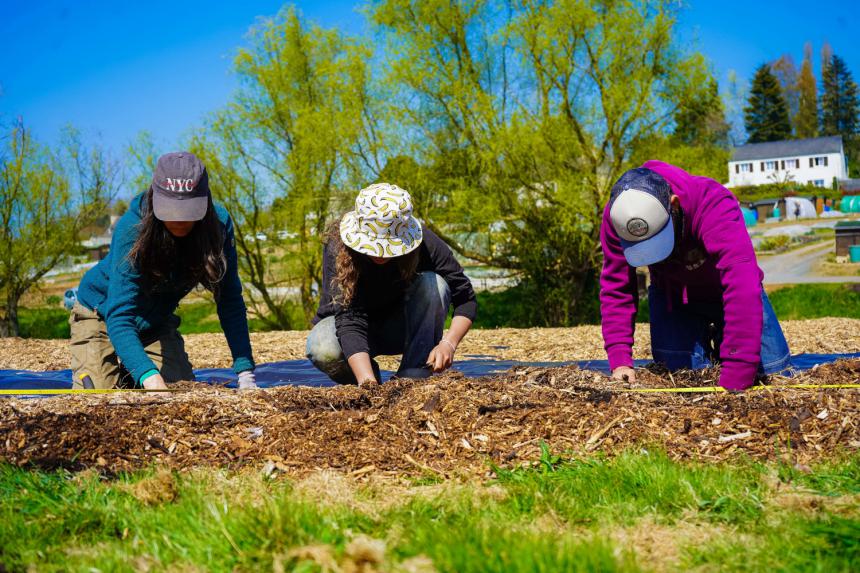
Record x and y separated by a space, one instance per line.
380 290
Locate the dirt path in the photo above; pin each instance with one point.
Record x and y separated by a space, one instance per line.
798 266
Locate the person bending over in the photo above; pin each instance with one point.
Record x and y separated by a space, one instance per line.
706 298
387 284
172 238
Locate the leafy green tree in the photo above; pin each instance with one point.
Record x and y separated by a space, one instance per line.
840 104
521 116
45 200
766 113
119 207
286 154
806 120
702 121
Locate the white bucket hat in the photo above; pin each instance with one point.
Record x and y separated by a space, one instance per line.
382 224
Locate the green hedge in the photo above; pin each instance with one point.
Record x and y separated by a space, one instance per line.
778 190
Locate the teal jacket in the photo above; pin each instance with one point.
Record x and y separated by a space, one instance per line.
113 289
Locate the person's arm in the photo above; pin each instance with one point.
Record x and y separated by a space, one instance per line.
619 300
444 264
362 368
463 300
351 321
721 229
232 313
351 324
124 299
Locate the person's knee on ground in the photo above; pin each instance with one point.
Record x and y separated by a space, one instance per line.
324 352
322 347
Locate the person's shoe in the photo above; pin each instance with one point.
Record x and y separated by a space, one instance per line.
415 373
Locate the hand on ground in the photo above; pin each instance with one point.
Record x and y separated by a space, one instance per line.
624 373
155 382
441 358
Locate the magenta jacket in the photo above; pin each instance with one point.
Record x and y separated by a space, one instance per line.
714 262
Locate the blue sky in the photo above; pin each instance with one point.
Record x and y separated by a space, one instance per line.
113 69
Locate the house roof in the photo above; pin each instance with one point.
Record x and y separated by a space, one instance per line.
787 148
850 185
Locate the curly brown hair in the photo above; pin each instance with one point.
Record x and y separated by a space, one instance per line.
349 265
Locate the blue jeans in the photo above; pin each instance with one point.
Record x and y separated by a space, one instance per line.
689 337
413 330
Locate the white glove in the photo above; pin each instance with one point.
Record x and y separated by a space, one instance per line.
247 380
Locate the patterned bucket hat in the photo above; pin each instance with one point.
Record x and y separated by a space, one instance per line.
382 224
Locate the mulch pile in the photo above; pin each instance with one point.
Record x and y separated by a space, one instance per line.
446 425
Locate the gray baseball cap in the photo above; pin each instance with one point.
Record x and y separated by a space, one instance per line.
180 187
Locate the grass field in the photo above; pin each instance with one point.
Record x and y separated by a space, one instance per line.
816 301
635 512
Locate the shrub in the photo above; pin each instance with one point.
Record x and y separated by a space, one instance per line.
774 243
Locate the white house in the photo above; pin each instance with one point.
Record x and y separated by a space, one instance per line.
815 161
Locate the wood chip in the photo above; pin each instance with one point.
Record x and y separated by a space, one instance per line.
733 437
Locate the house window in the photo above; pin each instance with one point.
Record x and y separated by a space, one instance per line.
746 167
818 161
770 166
791 164
818 182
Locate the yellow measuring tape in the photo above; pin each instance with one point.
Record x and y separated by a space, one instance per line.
707 389
693 389
52 391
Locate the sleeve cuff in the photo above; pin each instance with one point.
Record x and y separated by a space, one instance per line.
349 348
619 355
148 374
737 375
468 309
242 364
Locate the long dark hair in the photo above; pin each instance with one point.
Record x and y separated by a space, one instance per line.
349 265
157 254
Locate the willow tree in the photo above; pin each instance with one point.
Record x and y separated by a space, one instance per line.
285 153
46 198
522 115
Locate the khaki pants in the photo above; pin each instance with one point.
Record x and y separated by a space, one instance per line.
93 354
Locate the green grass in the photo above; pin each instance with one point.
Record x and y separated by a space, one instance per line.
816 301
43 322
571 515
203 317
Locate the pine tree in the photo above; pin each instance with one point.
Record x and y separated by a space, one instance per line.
806 120
840 104
702 121
766 113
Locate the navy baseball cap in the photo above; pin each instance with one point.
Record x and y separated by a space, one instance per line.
639 209
180 188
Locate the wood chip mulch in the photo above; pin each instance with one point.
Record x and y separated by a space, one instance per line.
447 425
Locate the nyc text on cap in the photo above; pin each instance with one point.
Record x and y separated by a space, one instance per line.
180 188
